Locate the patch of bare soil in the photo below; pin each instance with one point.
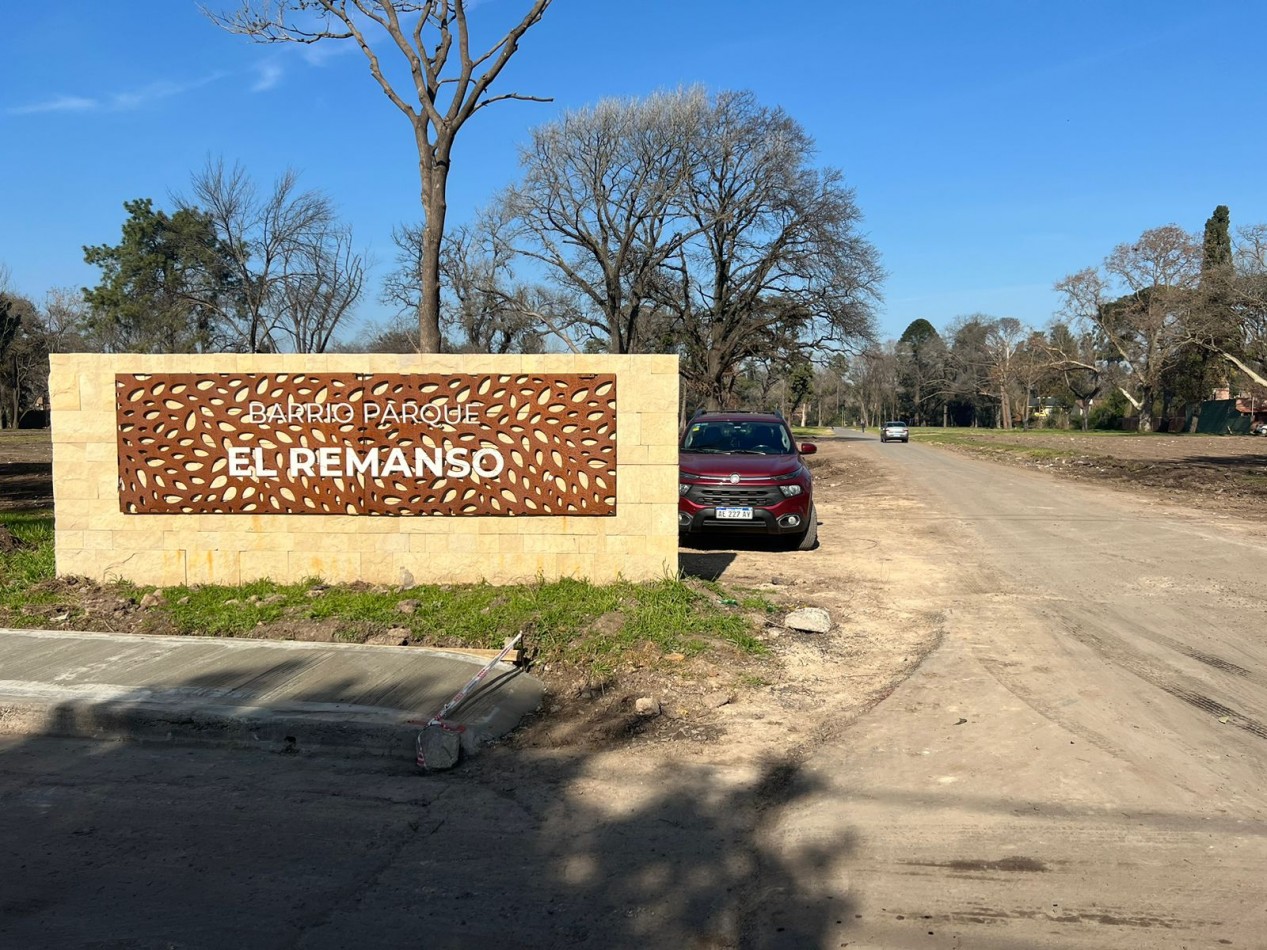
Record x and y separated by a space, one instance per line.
810 685
26 468
8 541
1209 472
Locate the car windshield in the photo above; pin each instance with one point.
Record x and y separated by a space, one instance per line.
895 425
743 438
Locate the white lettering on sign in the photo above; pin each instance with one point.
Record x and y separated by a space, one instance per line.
262 413
447 461
248 462
409 412
416 413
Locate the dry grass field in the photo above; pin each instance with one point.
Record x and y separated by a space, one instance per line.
1225 473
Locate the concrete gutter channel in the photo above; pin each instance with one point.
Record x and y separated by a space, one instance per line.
277 696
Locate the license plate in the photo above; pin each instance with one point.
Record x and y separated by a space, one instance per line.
736 514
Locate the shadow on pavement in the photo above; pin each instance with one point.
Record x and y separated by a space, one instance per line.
848 435
159 844
705 567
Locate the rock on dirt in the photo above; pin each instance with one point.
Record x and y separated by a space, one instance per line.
647 706
394 637
809 620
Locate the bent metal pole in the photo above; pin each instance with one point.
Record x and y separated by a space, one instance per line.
439 720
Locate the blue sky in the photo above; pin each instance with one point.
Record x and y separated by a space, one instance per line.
994 147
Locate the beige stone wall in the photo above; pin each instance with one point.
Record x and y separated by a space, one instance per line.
95 539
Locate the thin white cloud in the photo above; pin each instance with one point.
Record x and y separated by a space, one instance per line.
116 101
269 75
128 101
57 104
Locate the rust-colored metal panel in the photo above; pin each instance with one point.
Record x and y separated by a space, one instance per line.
380 444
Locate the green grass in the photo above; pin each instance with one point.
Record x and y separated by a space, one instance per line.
963 435
1012 442
31 563
810 432
26 437
594 628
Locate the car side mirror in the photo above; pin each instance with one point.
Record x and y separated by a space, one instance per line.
808 448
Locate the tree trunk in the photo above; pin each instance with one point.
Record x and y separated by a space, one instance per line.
434 206
713 400
1146 410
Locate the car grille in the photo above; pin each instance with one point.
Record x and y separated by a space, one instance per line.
734 496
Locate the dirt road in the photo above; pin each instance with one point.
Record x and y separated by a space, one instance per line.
1083 760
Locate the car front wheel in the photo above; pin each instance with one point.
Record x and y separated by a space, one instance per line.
809 540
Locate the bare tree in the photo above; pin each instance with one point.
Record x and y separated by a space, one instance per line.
970 379
1003 338
1034 375
483 308
1138 302
293 275
873 375
23 356
1242 340
65 320
1075 359
323 284
601 203
778 247
437 99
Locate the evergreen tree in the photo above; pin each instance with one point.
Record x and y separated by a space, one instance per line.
156 281
1213 321
10 322
1216 257
921 369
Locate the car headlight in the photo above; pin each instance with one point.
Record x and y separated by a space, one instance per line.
790 491
683 489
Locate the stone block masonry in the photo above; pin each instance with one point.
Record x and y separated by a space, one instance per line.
357 458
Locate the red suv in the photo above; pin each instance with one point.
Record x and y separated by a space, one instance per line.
743 471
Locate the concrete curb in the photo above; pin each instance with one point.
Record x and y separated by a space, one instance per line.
269 730
274 696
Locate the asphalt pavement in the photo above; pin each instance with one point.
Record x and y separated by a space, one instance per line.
276 696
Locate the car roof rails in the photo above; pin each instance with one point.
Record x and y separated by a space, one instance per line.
736 412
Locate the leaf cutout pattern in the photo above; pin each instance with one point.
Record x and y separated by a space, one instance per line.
555 435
